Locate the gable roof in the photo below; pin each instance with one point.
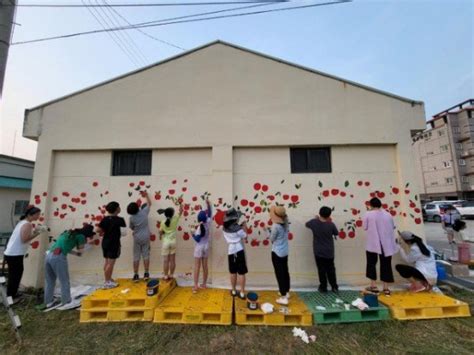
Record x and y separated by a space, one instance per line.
381 92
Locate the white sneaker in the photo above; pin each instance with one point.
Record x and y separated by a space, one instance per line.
287 295
110 284
283 301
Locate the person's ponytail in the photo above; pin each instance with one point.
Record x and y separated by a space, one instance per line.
203 230
424 250
29 212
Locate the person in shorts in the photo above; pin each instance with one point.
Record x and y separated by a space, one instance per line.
201 249
234 233
141 235
111 228
168 230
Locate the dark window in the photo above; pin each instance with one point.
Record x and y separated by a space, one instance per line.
469 113
131 162
430 207
20 207
310 160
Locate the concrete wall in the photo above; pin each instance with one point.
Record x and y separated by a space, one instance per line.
7 205
223 119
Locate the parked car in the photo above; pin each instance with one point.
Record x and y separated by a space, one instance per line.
433 211
466 209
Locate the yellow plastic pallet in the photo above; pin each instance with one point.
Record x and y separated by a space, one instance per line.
135 297
424 305
113 305
295 314
118 315
208 306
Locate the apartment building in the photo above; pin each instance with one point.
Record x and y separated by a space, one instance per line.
444 153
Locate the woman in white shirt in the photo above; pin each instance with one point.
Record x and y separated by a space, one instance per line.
17 247
423 275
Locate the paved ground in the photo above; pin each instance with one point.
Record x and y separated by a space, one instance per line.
436 237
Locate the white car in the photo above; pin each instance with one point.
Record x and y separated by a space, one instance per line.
466 209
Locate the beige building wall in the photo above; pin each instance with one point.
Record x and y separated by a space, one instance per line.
220 120
7 206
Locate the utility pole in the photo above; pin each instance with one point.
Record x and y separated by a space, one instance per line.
7 17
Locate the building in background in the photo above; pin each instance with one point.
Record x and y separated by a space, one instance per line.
7 24
249 129
444 153
15 186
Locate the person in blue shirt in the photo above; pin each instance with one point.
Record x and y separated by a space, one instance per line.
279 239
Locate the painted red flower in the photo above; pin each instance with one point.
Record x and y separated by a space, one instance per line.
63 206
395 190
95 184
262 224
249 230
35 244
290 236
393 212
407 192
171 191
219 217
372 194
354 211
286 197
142 183
367 183
66 194
257 186
62 216
194 198
418 220
359 223
380 194
186 236
97 241
184 189
360 183
251 204
351 234
83 194
334 192
384 206
244 203
173 182
157 197
258 209
412 204
55 199
326 193
37 202
132 184
197 208
417 210
45 194
396 203
294 198
185 213
86 216
158 224
180 228
342 234
266 242
265 188
152 237
56 214
343 194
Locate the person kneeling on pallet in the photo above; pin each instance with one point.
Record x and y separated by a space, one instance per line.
56 266
423 275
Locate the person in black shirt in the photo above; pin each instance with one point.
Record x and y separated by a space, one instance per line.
110 227
324 234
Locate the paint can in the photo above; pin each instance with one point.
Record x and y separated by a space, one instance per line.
371 300
252 301
152 287
441 270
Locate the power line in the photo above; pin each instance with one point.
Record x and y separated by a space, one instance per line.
146 33
127 40
76 34
112 35
209 3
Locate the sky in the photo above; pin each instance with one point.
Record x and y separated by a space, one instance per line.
420 49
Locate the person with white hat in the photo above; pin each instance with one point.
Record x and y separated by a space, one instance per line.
279 239
423 275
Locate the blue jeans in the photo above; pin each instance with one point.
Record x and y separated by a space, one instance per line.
56 267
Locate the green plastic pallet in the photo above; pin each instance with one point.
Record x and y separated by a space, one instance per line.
336 313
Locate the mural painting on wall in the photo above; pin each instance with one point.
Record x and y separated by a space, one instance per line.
254 206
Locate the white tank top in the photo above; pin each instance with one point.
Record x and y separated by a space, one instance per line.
15 246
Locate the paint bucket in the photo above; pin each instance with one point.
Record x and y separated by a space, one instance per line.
252 299
152 287
441 270
371 300
464 253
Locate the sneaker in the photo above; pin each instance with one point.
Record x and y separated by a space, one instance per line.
136 278
283 301
287 295
242 296
233 293
146 276
110 284
322 289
